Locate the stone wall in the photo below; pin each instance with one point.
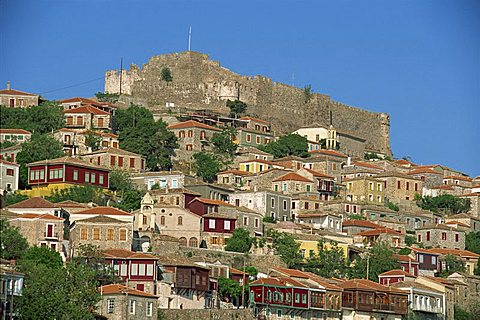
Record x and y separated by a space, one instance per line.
200 83
206 314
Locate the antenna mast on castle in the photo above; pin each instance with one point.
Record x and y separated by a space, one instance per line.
189 37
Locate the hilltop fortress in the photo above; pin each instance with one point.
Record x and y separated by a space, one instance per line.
200 83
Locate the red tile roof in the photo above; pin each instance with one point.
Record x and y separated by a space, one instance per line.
443 187
126 254
236 271
87 109
108 211
32 216
16 93
70 161
82 100
9 163
255 119
378 231
318 174
473 194
402 162
329 152
360 223
35 202
268 281
364 284
212 202
396 272
458 178
14 131
121 289
366 165
292 176
455 252
190 124
404 258
423 170
291 272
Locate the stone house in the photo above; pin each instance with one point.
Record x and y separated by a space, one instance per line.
293 183
428 261
366 190
259 127
441 236
472 290
400 187
430 178
77 102
290 162
389 236
102 231
325 184
262 181
303 202
119 302
454 180
217 229
249 153
267 203
470 258
210 191
14 135
251 137
357 169
192 137
320 220
474 198
35 205
171 197
329 162
87 117
10 153
354 226
110 212
17 99
74 140
236 179
163 180
116 158
9 174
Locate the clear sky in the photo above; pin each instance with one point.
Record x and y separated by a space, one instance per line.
417 60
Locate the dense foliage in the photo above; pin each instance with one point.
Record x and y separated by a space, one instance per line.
328 262
207 165
12 198
452 264
126 196
288 145
166 74
107 97
445 203
229 290
240 241
237 108
472 242
12 243
223 144
379 260
286 247
44 118
84 194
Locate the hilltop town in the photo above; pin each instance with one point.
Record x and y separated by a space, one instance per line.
186 191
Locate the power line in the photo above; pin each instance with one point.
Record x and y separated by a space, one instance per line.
73 85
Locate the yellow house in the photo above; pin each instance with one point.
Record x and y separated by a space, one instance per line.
309 245
365 190
255 165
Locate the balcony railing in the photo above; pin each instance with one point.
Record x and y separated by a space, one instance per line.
50 235
426 308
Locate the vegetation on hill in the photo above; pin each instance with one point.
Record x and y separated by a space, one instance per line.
207 165
288 145
240 241
452 264
327 263
140 133
107 97
377 260
166 74
445 203
286 247
223 144
44 118
308 93
237 108
472 242
13 244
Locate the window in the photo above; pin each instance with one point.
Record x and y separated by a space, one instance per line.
398 184
190 133
123 235
132 162
134 269
75 175
141 269
120 161
100 179
407 185
434 260
284 187
371 185
149 309
297 297
110 305
112 160
419 238
110 234
10 172
309 188
248 137
457 237
444 236
189 147
272 202
162 220
245 221
96 233
83 233
92 178
226 225
428 235
279 313
284 204
334 166
55 174
132 306
257 222
181 134
203 135
304 298
420 258
416 186
180 221
258 141
211 223
87 176
193 242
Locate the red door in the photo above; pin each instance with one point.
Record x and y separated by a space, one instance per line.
49 230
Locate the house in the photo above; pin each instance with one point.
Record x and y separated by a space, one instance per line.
446 287
408 263
441 235
309 244
321 220
472 291
101 231
454 180
400 188
236 179
192 137
77 102
290 162
292 183
423 300
429 177
393 276
262 181
110 212
325 184
474 198
472 222
256 165
11 287
210 191
87 117
75 141
35 205
116 159
267 203
355 226
302 203
9 173
138 270
249 153
159 180
364 189
173 197
329 162
14 135
17 99
389 236
61 173
428 261
119 302
357 169
217 229
470 258
253 132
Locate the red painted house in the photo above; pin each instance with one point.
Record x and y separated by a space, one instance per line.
217 229
137 269
64 172
203 206
393 276
428 261
407 263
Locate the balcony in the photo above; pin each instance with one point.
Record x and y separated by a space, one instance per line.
426 308
51 235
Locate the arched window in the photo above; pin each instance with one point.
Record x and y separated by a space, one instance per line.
181 134
183 241
193 242
180 221
203 135
162 220
190 133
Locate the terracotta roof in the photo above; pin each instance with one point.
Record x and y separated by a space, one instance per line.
17 93
457 223
121 289
268 281
437 226
396 272
87 109
237 172
404 258
212 202
70 161
9 163
462 216
366 165
236 271
360 223
292 176
258 160
179 261
423 170
255 119
458 178
14 131
473 194
291 272
39 216
318 174
35 202
82 100
101 219
364 284
378 231
443 187
71 204
402 162
455 252
192 123
427 251
117 151
330 153
111 211
126 254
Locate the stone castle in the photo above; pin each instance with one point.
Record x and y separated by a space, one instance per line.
200 83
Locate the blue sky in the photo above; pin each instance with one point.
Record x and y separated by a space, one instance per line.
417 60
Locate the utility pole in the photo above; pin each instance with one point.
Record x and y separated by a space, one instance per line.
368 264
121 71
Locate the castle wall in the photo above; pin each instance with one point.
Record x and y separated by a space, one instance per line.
200 83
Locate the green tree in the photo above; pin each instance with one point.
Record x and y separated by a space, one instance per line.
288 145
452 264
461 314
12 243
392 206
162 147
166 74
206 166
308 92
286 247
127 196
229 290
327 263
40 147
107 97
370 155
35 256
379 258
91 257
92 141
237 108
6 144
240 241
223 143
83 194
12 198
445 203
356 217
44 118
410 240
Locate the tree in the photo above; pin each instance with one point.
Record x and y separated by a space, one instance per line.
286 247
472 242
127 196
84 194
92 141
371 155
91 256
162 148
356 217
308 92
452 264
40 147
206 166
44 118
392 206
445 203
379 258
240 241
237 108
107 97
12 243
288 145
328 262
223 143
461 314
410 240
166 74
229 290
12 198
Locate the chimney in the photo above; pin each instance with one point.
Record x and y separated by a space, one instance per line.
349 161
8 85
